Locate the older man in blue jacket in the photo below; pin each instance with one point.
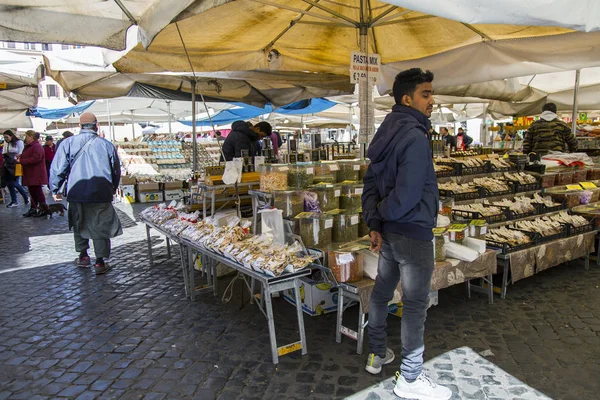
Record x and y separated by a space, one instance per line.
400 203
88 169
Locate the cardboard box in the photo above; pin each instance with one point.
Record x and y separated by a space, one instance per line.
318 298
172 185
128 180
173 195
126 193
149 197
396 308
148 187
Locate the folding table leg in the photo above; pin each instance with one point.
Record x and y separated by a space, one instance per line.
168 248
149 245
505 279
271 323
361 329
490 283
340 316
300 314
182 252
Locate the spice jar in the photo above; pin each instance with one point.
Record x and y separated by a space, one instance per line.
457 233
346 266
345 228
446 206
325 172
328 196
291 202
273 177
316 230
439 243
349 170
478 228
350 198
300 176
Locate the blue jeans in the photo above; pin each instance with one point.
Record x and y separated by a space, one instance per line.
13 185
413 261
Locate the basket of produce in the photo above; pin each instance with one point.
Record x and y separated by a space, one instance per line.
488 213
301 176
509 240
523 182
593 174
493 187
459 192
544 205
273 177
520 207
501 165
575 224
548 228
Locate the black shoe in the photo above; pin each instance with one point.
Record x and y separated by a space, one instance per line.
30 213
39 214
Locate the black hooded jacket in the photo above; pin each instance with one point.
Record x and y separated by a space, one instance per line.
240 138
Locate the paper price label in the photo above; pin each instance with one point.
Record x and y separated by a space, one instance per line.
310 171
588 185
358 191
334 167
573 187
357 167
328 223
354 220
338 193
344 258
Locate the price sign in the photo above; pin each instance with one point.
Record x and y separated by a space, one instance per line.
365 67
573 187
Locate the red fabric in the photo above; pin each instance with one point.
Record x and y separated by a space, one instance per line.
49 152
37 196
34 165
460 144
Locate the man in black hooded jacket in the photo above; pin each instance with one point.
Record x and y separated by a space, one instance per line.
244 137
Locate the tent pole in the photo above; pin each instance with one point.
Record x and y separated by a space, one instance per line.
111 131
132 125
575 101
194 138
365 87
169 111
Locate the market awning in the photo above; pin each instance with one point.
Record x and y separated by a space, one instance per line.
58 113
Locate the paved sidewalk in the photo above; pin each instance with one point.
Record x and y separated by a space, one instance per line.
131 334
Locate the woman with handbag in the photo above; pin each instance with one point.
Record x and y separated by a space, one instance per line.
34 173
11 170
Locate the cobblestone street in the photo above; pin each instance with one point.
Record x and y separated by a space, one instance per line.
132 334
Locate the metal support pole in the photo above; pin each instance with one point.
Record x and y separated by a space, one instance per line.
365 93
169 111
194 138
575 101
110 127
132 125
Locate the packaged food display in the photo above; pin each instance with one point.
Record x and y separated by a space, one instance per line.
350 198
457 233
273 177
439 241
346 266
291 202
300 176
345 227
349 170
316 231
363 165
328 196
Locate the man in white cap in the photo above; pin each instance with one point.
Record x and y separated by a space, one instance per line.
87 169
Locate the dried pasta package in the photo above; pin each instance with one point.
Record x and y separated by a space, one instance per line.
346 266
273 177
291 202
345 228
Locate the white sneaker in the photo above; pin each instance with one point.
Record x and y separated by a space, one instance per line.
423 388
374 362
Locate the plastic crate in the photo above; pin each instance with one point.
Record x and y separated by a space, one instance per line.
529 187
506 248
490 219
461 196
572 230
543 209
445 174
512 215
464 170
494 194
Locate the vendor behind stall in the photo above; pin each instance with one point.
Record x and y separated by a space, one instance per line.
463 141
448 138
244 137
549 134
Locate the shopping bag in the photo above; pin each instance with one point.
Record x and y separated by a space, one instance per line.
19 170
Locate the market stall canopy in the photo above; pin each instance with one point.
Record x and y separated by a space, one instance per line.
302 35
19 78
87 74
491 60
101 23
581 15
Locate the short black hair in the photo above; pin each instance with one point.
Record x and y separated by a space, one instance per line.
218 133
67 134
407 81
264 127
549 107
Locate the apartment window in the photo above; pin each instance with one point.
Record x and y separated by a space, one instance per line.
52 90
46 47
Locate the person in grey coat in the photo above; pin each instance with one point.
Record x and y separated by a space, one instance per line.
87 169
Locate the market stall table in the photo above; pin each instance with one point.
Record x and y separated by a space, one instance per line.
525 263
269 285
446 273
221 192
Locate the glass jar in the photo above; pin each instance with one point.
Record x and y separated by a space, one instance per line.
440 237
348 172
478 228
325 172
316 231
350 198
458 232
300 176
345 227
273 177
346 266
291 202
446 206
363 165
328 196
